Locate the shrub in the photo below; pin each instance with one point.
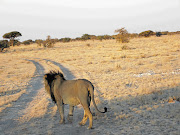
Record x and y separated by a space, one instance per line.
64 40
76 39
39 42
106 37
122 36
93 37
48 42
125 47
100 38
147 33
86 37
133 35
16 42
3 44
88 45
165 33
27 42
158 34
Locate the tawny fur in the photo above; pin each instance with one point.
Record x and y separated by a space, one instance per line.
72 92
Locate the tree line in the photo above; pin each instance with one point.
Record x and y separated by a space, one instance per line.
122 36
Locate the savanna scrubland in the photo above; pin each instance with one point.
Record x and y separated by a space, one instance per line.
138 82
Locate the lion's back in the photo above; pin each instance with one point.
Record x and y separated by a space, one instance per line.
73 90
83 83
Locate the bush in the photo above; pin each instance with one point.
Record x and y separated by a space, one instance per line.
86 37
27 42
64 40
123 36
106 37
100 38
16 42
147 33
125 47
158 34
133 35
48 42
165 33
3 44
39 42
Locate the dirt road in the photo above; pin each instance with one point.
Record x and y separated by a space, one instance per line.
34 112
10 118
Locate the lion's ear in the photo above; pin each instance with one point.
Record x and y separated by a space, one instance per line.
57 77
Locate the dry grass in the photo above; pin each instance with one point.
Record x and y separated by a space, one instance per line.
108 62
160 55
136 78
15 76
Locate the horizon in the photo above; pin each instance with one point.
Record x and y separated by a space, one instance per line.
36 19
17 38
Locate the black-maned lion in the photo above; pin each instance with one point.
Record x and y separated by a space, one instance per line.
72 92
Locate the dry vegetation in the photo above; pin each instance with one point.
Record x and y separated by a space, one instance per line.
138 81
15 75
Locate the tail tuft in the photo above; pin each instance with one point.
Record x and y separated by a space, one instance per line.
105 109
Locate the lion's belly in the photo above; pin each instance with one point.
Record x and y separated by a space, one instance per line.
71 101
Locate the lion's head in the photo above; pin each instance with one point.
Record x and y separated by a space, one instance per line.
49 79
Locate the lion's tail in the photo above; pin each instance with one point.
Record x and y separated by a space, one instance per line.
91 89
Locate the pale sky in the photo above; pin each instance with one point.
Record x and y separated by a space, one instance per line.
36 19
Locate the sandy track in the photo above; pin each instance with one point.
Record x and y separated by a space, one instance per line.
8 118
131 115
68 74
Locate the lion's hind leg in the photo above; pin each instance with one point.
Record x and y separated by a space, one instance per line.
87 114
83 122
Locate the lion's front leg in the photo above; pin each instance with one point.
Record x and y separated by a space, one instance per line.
70 115
60 106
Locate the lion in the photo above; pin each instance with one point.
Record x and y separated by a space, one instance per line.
71 92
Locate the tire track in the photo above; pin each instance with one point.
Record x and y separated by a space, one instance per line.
8 116
48 123
67 73
70 76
